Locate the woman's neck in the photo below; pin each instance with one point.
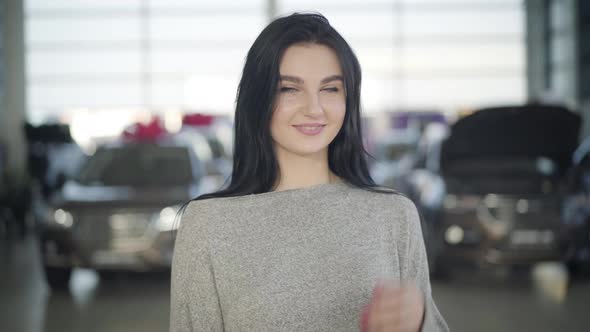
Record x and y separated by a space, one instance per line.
303 171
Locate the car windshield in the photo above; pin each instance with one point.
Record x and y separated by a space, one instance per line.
138 166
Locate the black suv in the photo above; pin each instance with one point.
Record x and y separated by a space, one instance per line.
491 192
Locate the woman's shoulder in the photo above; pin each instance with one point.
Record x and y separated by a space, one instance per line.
383 196
203 208
200 212
388 204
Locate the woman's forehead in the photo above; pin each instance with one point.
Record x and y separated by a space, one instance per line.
313 61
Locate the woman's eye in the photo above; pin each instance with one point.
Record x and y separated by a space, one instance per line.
288 89
332 89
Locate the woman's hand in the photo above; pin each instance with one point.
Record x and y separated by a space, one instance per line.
394 307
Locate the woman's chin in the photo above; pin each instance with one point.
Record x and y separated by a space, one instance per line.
310 151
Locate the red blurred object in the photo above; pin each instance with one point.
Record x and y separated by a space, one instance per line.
198 120
151 131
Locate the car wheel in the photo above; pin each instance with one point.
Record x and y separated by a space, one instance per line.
573 267
108 275
578 269
58 277
521 271
438 271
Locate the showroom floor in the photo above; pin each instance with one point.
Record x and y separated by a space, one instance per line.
472 301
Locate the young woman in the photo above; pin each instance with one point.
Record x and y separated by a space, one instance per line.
301 239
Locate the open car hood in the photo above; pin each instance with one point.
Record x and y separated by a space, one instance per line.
529 132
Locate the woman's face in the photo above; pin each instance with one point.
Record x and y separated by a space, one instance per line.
310 103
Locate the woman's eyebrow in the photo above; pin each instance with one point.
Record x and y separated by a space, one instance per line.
332 78
293 79
298 80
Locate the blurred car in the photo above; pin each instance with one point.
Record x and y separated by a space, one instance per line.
211 137
576 211
120 211
490 191
393 158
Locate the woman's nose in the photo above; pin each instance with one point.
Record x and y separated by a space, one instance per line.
313 106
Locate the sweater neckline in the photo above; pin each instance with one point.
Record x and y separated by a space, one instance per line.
308 188
295 191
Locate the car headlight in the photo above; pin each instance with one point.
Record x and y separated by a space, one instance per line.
454 234
62 218
167 219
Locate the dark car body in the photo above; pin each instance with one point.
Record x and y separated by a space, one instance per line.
576 211
120 212
491 192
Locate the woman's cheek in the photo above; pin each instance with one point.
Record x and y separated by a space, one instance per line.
334 105
339 110
284 107
289 103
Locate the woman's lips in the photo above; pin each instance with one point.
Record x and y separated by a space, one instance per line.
310 130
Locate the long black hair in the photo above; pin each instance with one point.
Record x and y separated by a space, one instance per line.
255 166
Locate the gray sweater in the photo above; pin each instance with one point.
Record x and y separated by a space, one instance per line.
296 260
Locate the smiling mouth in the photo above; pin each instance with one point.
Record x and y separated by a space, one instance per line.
310 130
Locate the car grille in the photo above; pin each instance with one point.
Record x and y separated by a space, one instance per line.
522 210
533 222
118 230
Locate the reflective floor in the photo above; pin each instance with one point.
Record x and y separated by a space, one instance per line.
544 299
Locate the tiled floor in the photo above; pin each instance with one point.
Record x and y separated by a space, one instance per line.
470 302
